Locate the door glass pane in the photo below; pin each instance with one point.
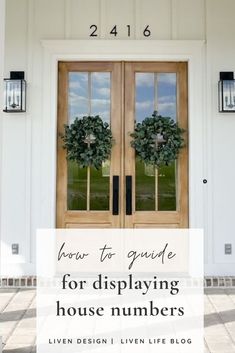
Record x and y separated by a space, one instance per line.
167 188
77 187
145 187
166 94
89 94
144 101
100 95
155 188
145 176
99 197
78 95
100 105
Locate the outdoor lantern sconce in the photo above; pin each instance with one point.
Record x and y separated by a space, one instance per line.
15 93
226 92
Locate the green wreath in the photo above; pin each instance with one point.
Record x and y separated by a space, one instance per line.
157 140
88 141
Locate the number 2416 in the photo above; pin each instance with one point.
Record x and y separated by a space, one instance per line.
114 31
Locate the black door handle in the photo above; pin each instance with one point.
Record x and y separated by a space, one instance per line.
115 195
128 195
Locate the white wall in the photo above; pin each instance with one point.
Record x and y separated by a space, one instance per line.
220 57
29 21
2 47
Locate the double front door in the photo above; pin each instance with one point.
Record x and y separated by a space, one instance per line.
125 191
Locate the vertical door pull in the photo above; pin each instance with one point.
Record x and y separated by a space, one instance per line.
128 195
115 195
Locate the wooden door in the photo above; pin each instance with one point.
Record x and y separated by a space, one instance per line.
159 197
88 88
122 93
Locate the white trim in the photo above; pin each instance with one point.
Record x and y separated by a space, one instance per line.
135 50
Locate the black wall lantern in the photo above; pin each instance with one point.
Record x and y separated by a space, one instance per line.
227 92
15 92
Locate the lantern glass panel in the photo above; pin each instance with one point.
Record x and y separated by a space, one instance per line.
15 95
227 92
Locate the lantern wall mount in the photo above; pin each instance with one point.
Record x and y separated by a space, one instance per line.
226 92
15 93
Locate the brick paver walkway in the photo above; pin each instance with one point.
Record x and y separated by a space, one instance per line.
18 324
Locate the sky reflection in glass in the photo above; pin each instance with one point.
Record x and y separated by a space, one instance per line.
165 103
84 100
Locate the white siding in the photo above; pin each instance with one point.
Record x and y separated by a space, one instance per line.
81 15
190 19
156 14
221 57
113 17
2 50
29 21
14 141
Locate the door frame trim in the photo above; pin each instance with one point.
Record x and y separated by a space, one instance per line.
123 50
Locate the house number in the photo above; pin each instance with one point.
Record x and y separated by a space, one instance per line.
114 31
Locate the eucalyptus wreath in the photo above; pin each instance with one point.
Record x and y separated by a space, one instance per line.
88 141
157 140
